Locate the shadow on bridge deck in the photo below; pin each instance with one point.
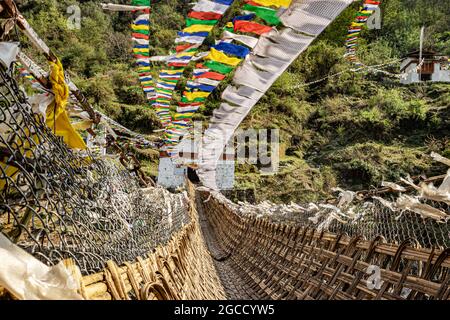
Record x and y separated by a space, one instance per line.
234 283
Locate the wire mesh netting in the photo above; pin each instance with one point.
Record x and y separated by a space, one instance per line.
376 219
368 219
57 203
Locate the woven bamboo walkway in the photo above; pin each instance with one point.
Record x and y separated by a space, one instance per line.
277 261
234 285
221 255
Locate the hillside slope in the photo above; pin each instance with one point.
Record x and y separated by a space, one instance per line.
351 130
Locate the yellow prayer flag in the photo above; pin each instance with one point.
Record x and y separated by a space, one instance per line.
198 28
170 71
166 82
139 27
185 54
7 171
181 116
193 95
57 119
141 50
274 3
82 125
221 57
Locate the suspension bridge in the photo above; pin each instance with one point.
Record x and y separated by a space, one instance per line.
90 227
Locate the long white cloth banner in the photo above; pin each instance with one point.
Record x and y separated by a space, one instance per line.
232 95
8 53
281 46
190 39
266 64
304 22
247 40
29 279
249 76
276 51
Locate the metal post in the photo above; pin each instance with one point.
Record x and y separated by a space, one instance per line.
422 32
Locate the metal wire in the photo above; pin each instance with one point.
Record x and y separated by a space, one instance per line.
371 219
379 220
363 68
57 203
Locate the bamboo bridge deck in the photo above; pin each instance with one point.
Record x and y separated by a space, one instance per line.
221 255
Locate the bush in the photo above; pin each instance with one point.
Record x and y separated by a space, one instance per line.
376 118
131 95
393 104
98 89
136 118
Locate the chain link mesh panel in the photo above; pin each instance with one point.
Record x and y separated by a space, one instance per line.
371 219
58 203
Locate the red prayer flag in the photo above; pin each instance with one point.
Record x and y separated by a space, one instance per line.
185 104
249 26
178 64
139 56
204 15
211 75
250 2
142 10
183 47
140 36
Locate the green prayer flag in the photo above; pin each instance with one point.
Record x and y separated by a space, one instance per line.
141 3
267 14
169 80
145 54
193 21
218 67
146 32
184 99
165 91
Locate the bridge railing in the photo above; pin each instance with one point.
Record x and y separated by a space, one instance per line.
360 218
59 203
295 261
180 268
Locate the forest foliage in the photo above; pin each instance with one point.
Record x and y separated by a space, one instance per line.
353 130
